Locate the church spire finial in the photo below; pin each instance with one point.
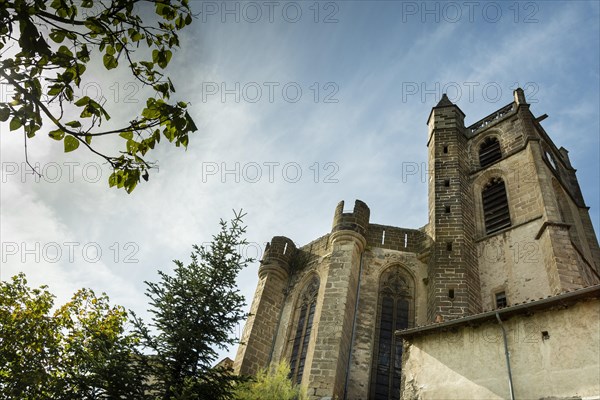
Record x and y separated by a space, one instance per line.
444 101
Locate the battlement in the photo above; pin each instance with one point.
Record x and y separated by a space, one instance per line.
394 238
357 220
280 248
277 256
491 119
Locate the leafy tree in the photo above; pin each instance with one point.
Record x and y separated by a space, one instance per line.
194 311
45 48
81 351
271 384
29 342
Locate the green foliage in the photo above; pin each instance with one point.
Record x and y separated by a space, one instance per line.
53 41
29 342
194 311
81 351
271 384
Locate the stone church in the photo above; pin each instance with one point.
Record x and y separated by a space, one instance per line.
497 296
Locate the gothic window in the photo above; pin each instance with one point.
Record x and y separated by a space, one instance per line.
306 313
394 313
495 206
489 151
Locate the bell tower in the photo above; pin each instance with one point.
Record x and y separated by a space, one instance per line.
453 275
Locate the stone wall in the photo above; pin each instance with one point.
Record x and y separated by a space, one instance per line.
258 339
394 238
554 355
375 262
549 247
454 289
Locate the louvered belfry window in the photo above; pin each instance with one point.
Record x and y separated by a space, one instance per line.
489 151
394 310
306 312
495 206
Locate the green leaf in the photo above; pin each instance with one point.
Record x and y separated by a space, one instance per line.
15 123
68 92
65 51
136 36
57 36
57 134
95 27
112 179
54 89
150 113
4 114
180 22
71 143
74 124
190 122
30 129
109 61
132 146
82 101
127 135
162 57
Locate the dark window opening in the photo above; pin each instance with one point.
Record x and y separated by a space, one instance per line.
489 151
495 206
451 293
394 311
501 300
447 182
445 149
307 304
447 209
449 246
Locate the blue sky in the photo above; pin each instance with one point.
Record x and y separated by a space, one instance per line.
379 68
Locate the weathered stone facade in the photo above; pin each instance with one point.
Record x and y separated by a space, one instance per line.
502 230
553 345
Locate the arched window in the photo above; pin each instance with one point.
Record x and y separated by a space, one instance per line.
395 312
489 151
495 206
306 313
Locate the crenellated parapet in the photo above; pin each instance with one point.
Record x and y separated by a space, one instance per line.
395 238
357 220
276 259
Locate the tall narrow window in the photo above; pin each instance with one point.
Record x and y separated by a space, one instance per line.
495 206
394 313
306 313
501 300
489 151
